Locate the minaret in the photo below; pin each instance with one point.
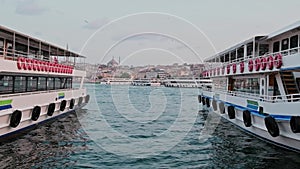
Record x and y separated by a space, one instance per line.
119 60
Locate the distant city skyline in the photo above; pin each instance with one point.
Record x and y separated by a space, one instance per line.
150 32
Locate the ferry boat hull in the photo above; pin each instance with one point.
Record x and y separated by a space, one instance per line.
26 104
286 138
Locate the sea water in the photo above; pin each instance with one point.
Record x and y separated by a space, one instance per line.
141 127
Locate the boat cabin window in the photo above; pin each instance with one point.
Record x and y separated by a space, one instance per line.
42 83
249 49
222 58
294 42
240 53
69 83
263 49
276 47
6 84
57 83
32 84
219 84
20 49
247 85
20 84
50 83
227 58
285 44
232 55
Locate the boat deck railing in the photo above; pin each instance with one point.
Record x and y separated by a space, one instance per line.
258 97
13 55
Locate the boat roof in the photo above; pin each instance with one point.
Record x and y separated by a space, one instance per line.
250 40
12 35
291 27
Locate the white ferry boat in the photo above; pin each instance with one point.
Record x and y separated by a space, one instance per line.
34 89
256 86
187 83
145 82
116 81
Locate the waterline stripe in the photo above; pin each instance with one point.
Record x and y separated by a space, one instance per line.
5 107
252 107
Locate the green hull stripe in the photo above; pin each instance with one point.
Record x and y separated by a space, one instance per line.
252 102
61 94
5 102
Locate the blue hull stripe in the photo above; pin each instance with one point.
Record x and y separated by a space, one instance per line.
5 107
250 106
255 112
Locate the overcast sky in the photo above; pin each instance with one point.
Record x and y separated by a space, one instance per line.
144 32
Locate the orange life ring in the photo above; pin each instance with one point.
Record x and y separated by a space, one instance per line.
263 62
64 70
234 68
42 66
28 63
242 67
46 65
250 65
278 61
228 69
270 61
61 69
257 64
55 67
20 62
70 69
38 65
34 65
